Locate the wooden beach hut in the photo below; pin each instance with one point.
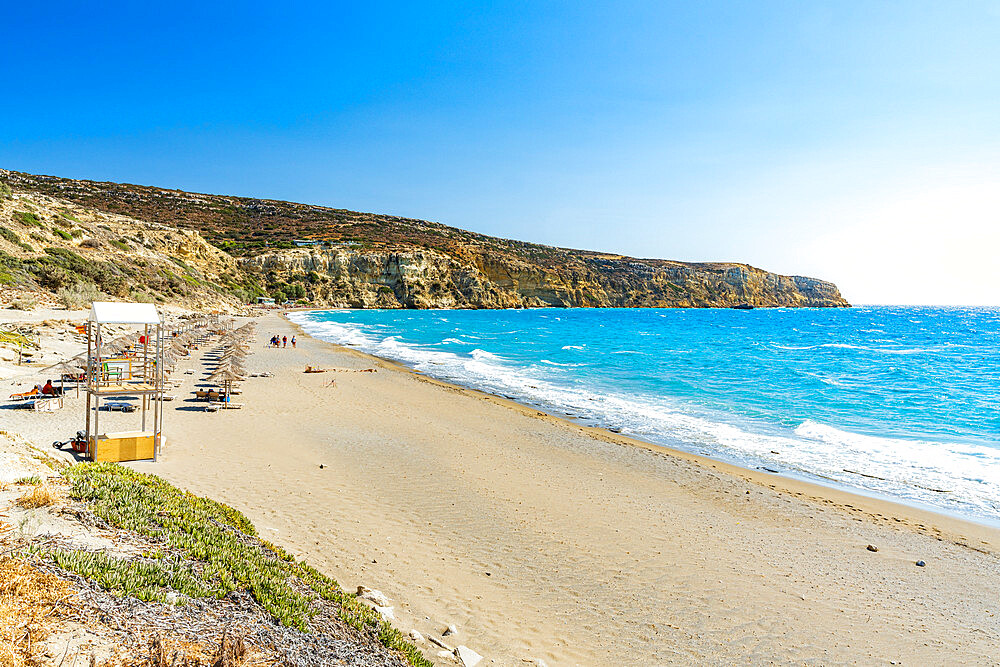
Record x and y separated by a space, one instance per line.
112 376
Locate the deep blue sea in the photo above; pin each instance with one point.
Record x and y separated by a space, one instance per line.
897 401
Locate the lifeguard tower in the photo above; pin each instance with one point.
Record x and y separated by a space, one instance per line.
113 373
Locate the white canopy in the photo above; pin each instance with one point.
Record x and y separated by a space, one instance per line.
113 312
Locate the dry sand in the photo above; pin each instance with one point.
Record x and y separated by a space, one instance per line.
541 539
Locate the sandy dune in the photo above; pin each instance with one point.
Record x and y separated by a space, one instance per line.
542 539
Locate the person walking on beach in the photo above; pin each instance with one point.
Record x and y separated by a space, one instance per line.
293 342
284 341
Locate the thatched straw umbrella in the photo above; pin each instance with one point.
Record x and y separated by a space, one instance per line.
227 376
66 368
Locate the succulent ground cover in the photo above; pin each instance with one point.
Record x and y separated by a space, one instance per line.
200 554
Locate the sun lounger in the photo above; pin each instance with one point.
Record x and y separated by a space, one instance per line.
231 406
212 407
117 406
25 395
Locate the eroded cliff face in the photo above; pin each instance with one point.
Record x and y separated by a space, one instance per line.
423 278
366 260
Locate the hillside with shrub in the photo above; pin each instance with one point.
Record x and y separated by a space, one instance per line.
228 249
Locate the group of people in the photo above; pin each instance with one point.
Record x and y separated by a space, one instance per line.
281 342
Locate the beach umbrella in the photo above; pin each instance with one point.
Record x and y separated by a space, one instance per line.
227 377
66 368
234 368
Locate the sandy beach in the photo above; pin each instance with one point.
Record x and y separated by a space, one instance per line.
544 540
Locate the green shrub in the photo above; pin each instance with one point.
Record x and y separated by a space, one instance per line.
78 296
76 233
27 219
121 245
5 191
9 235
64 235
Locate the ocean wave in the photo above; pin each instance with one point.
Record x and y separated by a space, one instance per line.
454 341
484 354
849 346
572 347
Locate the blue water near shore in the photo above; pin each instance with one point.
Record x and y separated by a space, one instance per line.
898 401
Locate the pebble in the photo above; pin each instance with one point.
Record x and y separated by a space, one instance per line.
386 613
377 597
416 636
921 563
467 656
450 630
872 547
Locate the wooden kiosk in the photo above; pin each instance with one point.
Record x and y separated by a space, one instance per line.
113 373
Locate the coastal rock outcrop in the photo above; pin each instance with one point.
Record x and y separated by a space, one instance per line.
347 277
328 257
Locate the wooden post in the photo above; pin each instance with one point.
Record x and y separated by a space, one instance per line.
87 377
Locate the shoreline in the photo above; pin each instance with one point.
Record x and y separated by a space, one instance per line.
872 501
542 539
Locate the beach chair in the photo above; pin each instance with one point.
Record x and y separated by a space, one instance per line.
231 406
117 406
25 395
212 407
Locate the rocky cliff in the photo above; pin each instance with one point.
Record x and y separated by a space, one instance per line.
366 260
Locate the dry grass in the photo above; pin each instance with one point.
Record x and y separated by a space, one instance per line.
232 652
42 495
28 600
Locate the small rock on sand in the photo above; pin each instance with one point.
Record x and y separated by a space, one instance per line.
921 563
372 595
450 630
872 547
416 636
445 654
385 612
434 640
467 656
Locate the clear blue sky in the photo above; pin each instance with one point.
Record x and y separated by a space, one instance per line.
854 141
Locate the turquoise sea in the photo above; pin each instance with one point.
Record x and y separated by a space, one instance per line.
897 401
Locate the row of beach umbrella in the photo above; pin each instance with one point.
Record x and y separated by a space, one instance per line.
234 347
